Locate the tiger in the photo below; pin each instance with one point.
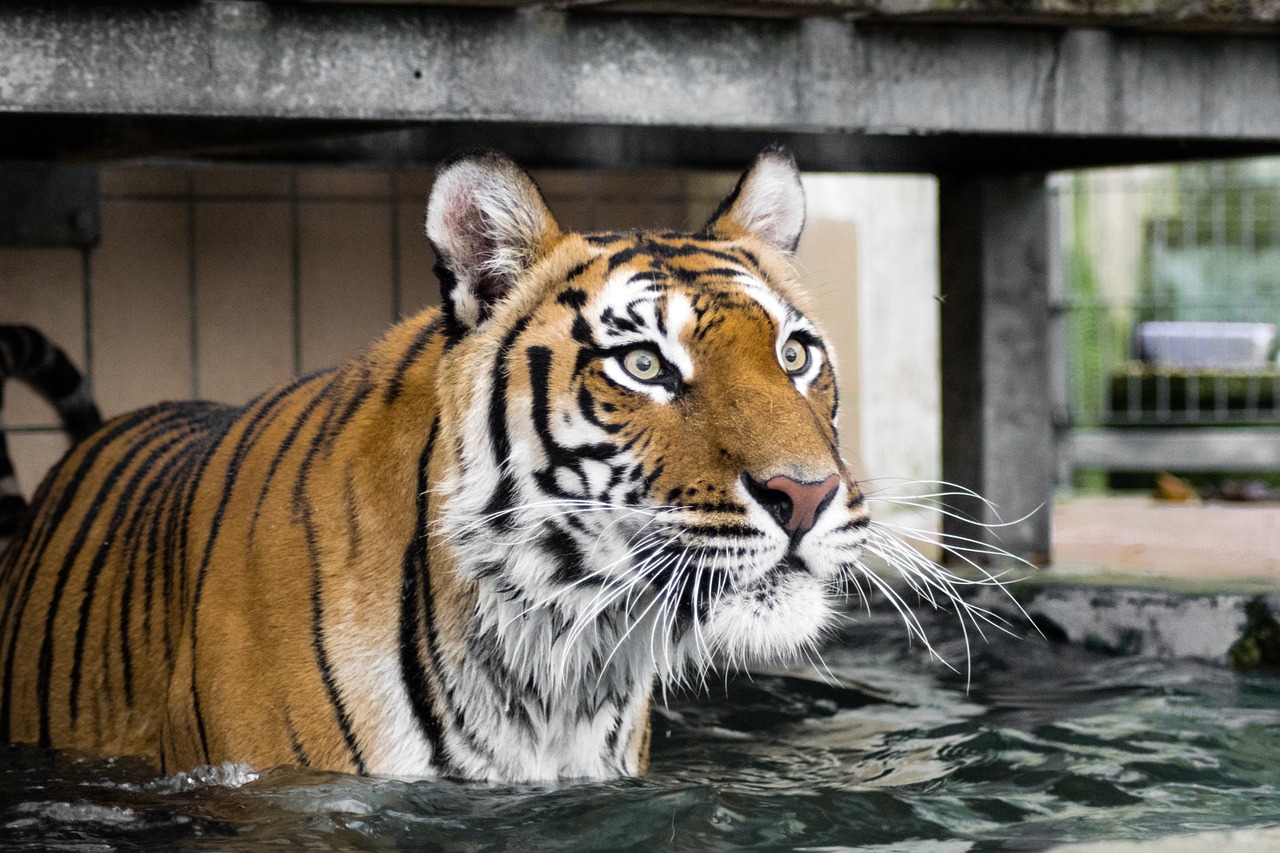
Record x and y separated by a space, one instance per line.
29 356
605 465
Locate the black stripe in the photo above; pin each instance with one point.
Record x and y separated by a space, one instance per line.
737 531
317 645
504 495
498 395
295 743
303 513
301 421
586 405
396 386
44 673
302 508
332 425
255 426
562 548
147 516
414 591
539 362
351 508
582 332
611 739
124 504
33 547
169 520
446 706
723 272
854 523
574 297
218 424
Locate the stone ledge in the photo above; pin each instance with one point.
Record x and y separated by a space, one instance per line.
1123 615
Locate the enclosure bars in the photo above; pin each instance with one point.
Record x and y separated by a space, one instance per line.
1113 414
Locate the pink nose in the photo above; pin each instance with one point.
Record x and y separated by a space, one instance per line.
806 499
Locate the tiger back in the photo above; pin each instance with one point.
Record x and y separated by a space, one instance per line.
609 462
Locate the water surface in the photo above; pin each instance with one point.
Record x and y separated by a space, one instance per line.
882 749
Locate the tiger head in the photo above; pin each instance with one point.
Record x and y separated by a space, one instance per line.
644 422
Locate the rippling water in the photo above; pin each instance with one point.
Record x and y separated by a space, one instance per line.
886 751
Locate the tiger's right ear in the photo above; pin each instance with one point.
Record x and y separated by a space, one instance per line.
487 223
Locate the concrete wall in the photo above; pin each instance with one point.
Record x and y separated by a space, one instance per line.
888 331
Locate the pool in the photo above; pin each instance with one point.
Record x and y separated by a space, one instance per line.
881 749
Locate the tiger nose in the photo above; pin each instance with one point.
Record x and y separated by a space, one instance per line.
793 504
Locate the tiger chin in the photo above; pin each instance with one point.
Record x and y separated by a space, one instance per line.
607 464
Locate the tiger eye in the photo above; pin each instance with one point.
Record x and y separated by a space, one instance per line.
643 364
795 356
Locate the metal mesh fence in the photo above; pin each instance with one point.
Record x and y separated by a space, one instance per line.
1155 259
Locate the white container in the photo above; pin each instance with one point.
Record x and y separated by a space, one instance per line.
1187 345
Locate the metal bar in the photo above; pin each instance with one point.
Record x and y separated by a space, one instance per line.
193 294
1178 449
33 428
86 298
1253 390
393 213
295 273
409 63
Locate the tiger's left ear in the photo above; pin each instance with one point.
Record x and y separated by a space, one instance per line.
488 223
767 203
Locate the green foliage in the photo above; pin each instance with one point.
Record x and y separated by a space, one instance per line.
1259 648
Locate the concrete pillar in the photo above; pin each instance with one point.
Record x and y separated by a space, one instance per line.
997 435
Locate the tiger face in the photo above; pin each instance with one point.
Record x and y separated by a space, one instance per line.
649 425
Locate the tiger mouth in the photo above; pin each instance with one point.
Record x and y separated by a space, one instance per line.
788 564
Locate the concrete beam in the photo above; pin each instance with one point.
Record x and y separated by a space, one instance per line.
370 63
44 137
997 434
1165 15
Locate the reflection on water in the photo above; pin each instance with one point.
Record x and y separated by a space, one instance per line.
882 750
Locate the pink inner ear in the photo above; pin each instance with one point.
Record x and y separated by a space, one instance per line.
465 225
471 246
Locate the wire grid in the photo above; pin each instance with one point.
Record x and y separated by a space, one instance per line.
1198 242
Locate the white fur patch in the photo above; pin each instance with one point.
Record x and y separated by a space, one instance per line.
771 204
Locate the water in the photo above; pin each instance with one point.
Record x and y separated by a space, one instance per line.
1049 744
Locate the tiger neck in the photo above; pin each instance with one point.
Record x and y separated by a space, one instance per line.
544 696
